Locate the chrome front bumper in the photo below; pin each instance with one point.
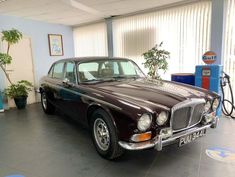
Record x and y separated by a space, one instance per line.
158 142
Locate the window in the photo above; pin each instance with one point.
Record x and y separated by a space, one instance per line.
184 31
88 71
113 66
91 40
70 72
127 68
58 70
229 44
108 69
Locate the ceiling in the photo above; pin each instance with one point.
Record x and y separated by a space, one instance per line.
75 12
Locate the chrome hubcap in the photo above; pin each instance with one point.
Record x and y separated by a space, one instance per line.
44 101
101 133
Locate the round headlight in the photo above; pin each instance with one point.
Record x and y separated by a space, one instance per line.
215 104
162 118
144 122
207 106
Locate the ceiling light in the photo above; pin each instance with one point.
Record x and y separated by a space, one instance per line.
82 7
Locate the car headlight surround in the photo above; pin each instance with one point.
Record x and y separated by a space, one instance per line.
162 118
207 106
144 122
215 104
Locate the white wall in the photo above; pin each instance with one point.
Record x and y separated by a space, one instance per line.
38 32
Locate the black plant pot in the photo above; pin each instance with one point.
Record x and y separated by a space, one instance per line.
21 102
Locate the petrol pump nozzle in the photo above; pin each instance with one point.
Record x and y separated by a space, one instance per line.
224 81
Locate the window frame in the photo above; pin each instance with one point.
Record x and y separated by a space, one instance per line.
51 70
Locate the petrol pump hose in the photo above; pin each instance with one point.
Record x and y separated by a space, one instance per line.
225 79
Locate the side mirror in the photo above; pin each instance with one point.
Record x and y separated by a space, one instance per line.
66 82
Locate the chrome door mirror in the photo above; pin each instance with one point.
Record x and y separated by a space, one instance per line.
66 82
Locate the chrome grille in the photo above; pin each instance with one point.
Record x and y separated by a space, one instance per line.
197 114
181 118
187 114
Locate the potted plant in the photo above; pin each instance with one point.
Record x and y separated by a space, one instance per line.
19 92
155 60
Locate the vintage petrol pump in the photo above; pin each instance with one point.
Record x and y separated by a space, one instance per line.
209 76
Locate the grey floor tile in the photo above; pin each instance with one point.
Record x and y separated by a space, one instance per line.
217 170
9 171
174 165
132 164
37 145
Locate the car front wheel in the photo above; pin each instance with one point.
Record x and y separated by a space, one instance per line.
48 108
104 135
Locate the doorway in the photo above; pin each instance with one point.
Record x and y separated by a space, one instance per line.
21 67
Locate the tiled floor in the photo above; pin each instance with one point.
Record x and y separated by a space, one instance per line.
37 145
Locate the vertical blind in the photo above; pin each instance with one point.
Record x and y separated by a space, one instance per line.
184 31
229 42
90 40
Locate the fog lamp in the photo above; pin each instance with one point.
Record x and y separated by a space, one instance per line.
166 133
208 118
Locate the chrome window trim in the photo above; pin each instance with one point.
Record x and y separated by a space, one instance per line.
192 102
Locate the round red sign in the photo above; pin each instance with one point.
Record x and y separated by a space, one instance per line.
209 57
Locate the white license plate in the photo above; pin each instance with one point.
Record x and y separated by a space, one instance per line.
191 137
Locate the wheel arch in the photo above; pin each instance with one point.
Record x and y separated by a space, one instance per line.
95 106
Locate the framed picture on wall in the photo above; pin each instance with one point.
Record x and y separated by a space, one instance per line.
55 44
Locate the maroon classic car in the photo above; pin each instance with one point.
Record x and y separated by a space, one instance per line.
123 108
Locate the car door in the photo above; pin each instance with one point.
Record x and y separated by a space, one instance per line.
70 92
57 84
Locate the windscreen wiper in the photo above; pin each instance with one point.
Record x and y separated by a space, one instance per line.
126 77
99 80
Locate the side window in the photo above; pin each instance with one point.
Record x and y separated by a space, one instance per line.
58 70
70 72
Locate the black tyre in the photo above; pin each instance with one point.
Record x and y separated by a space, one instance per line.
104 135
47 107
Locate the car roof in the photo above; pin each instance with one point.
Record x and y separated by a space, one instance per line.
87 59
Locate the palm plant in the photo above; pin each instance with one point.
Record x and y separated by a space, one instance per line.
19 91
11 37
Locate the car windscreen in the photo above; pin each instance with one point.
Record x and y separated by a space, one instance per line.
108 69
